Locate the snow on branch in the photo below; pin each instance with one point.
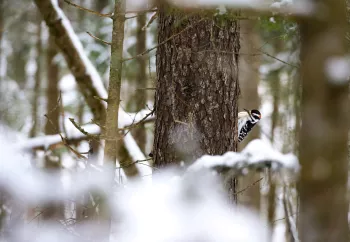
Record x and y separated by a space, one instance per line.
88 79
258 154
74 135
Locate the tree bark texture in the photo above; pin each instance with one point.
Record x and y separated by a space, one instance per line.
72 57
197 87
325 126
249 77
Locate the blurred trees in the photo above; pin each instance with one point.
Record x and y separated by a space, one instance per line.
325 126
196 95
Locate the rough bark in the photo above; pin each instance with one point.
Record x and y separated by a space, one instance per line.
248 81
197 87
72 57
324 129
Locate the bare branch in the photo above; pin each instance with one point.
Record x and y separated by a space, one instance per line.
162 43
108 15
82 129
101 40
154 16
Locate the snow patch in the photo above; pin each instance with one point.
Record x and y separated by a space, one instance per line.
338 70
257 153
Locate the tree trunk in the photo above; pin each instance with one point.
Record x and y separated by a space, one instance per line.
112 134
325 126
248 81
37 85
52 92
52 211
197 87
140 98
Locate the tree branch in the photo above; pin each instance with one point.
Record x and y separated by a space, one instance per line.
162 43
108 15
101 40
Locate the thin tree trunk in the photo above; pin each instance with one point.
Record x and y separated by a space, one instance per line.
140 98
249 76
325 126
37 86
112 134
52 211
53 105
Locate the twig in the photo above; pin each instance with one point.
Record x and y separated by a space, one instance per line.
147 88
64 141
154 16
101 99
136 162
139 122
83 131
246 188
163 42
101 40
108 15
71 149
140 11
274 57
126 18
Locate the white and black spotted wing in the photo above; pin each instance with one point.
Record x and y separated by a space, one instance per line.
246 121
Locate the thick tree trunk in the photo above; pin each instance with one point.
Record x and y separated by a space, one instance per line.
249 77
197 87
325 126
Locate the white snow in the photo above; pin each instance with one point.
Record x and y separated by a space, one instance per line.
256 152
338 70
189 208
73 133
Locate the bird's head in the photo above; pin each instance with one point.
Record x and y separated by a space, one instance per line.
256 115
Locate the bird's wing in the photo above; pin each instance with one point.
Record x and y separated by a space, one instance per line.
242 119
242 114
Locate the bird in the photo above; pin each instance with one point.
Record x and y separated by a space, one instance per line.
246 121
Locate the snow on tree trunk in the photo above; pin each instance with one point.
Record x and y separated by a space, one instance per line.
325 125
197 86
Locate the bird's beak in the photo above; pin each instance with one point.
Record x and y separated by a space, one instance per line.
260 116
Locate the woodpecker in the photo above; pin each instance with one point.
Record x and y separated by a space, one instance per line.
246 121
